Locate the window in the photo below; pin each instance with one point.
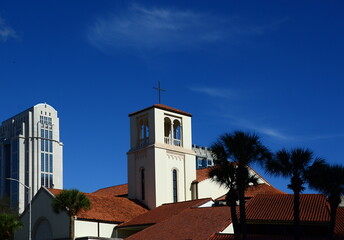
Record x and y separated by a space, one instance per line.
176 133
175 186
172 131
142 184
143 130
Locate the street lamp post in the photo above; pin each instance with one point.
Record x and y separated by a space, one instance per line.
29 189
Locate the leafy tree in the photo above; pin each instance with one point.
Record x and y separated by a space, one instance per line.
71 201
9 219
293 164
242 149
329 180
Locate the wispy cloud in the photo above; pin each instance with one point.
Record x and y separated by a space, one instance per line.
165 29
276 133
6 31
216 92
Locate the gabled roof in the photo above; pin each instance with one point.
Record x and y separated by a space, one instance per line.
279 208
202 174
114 191
257 189
192 223
108 208
163 212
163 107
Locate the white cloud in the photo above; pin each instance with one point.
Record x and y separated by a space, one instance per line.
6 31
165 29
278 134
216 92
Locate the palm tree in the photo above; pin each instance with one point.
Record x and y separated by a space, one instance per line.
242 149
329 180
9 223
225 175
71 201
293 164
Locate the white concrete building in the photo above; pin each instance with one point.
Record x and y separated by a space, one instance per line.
30 152
161 162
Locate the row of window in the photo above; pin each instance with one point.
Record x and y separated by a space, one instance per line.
47 180
46 162
46 120
46 145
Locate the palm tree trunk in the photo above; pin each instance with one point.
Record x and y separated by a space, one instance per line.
333 213
231 202
242 214
71 227
296 216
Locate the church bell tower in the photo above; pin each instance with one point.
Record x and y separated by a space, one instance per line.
161 162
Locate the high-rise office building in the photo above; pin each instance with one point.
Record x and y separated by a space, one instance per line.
31 153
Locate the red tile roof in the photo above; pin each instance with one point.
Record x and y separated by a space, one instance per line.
163 212
192 223
279 207
163 107
108 208
114 191
339 229
257 189
202 174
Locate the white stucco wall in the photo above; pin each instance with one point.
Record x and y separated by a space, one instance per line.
208 188
85 228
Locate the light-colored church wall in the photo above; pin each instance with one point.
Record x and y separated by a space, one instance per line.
138 160
93 229
166 162
190 176
42 210
207 188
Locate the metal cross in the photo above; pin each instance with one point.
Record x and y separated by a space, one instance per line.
160 90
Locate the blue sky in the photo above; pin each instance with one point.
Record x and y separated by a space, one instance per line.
270 67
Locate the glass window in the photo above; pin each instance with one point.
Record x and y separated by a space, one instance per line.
46 145
50 134
51 163
46 180
42 179
46 162
42 162
51 146
42 133
51 185
42 144
143 184
175 186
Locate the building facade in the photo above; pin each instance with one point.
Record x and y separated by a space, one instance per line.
204 157
161 162
30 152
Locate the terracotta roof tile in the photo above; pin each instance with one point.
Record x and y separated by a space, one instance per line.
202 174
339 229
164 107
209 220
114 191
163 212
218 236
257 189
109 209
279 207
